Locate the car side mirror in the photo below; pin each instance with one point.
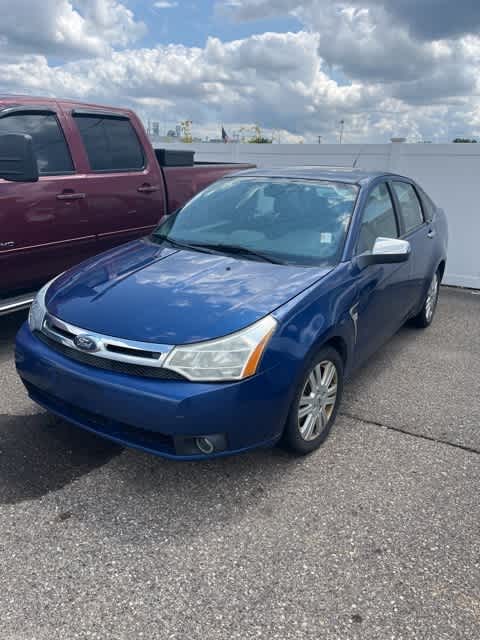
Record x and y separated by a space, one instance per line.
17 158
385 251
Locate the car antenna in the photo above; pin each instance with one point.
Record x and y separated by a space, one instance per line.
354 166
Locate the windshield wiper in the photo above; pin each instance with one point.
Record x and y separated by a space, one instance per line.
178 243
217 248
237 250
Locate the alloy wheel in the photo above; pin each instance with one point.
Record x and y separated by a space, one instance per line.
317 400
431 300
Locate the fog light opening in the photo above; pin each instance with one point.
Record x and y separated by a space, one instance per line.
205 445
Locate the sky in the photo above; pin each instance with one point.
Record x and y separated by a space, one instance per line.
385 67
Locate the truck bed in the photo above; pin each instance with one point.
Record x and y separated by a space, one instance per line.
182 183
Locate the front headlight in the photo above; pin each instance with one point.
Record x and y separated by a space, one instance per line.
231 358
38 310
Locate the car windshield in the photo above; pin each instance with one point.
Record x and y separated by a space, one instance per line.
281 220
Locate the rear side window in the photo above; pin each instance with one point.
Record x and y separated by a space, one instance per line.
378 220
428 205
111 143
410 208
53 155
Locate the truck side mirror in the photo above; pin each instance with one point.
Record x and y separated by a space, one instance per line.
17 158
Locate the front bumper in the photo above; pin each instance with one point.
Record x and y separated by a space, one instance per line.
154 415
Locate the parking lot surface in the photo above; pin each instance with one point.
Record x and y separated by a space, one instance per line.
374 536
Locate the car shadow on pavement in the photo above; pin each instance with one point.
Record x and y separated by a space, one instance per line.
140 497
9 325
40 453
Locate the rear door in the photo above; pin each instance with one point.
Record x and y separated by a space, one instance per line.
415 227
124 185
44 226
382 289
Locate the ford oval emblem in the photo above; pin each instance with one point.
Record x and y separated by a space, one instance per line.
86 343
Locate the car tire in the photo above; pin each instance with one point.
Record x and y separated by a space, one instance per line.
425 318
298 436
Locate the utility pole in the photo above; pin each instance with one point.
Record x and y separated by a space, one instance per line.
342 125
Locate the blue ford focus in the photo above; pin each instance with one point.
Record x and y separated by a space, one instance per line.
235 324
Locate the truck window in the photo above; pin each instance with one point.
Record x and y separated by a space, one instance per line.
53 155
111 143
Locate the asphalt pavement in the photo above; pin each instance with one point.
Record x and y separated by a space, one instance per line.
374 536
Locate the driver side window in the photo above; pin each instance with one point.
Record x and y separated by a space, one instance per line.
378 221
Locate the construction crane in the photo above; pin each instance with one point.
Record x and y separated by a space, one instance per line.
255 133
186 126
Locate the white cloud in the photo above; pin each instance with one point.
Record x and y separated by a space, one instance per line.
349 64
66 28
421 55
275 79
165 4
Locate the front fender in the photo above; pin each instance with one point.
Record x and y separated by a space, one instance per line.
321 314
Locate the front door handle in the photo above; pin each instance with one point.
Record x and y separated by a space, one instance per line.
71 195
148 188
431 234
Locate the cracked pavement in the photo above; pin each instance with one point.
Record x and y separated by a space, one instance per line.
374 536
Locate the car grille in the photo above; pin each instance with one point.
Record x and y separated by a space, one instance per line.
109 365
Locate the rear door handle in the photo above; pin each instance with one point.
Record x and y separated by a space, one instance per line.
148 188
431 233
73 195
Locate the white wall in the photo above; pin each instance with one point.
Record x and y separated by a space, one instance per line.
450 173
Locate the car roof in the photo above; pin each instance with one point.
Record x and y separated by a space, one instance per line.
348 175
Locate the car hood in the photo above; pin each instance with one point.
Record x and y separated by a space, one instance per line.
155 293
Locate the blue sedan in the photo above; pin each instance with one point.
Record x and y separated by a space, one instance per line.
236 322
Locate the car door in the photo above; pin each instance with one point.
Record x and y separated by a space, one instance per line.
381 300
124 185
44 226
416 228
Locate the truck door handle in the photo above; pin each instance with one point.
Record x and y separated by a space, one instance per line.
431 233
71 195
148 188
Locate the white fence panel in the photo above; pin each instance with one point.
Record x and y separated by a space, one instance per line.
450 173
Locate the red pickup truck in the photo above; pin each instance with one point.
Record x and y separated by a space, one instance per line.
75 180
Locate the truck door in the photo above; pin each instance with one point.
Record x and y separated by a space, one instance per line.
124 184
44 226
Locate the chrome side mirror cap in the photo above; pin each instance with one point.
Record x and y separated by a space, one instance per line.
391 249
386 251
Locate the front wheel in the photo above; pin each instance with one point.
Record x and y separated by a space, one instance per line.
425 317
316 402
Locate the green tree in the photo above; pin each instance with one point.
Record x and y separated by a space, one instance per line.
260 140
